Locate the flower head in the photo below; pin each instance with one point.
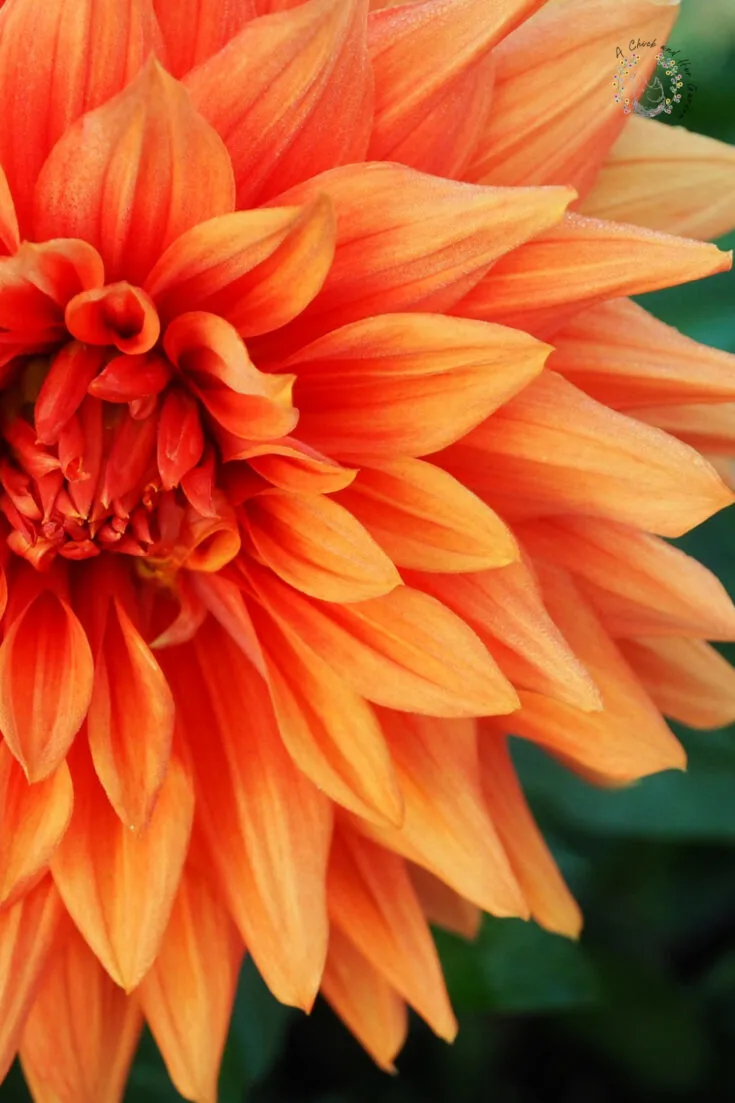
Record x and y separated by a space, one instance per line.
332 453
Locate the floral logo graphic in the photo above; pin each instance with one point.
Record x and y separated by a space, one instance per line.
666 92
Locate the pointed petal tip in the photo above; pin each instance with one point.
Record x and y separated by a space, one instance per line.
566 921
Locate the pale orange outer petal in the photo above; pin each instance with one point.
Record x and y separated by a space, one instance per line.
407 384
373 903
549 899
364 1000
621 355
666 178
446 828
706 428
187 995
28 937
554 116
267 826
506 609
33 819
81 58
553 450
117 884
639 584
580 262
433 79
133 175
318 547
404 650
410 241
425 519
329 730
291 95
688 680
80 1037
130 721
443 906
629 738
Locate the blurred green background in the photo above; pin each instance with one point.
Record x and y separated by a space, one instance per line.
643 1008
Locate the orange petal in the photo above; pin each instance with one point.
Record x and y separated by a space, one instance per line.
373 903
130 720
79 62
213 357
180 441
364 1000
62 391
118 383
443 906
638 584
407 384
554 116
329 730
82 1032
133 175
506 609
28 933
9 231
687 679
628 739
193 30
580 262
549 899
423 518
404 650
446 828
33 821
706 428
552 450
621 355
187 995
409 241
117 884
39 280
256 269
318 547
433 79
225 602
117 314
130 452
297 467
666 178
267 826
45 684
291 96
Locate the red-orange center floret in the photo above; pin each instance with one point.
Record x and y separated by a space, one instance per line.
105 447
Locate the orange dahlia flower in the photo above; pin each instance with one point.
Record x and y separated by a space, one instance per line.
326 431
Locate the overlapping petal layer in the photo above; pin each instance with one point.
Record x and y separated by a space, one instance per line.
332 454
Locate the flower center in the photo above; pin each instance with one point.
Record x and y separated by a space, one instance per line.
105 447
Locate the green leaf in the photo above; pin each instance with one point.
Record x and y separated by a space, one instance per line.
149 1081
517 967
692 806
257 1031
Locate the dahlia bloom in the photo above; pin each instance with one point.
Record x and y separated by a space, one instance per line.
333 453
